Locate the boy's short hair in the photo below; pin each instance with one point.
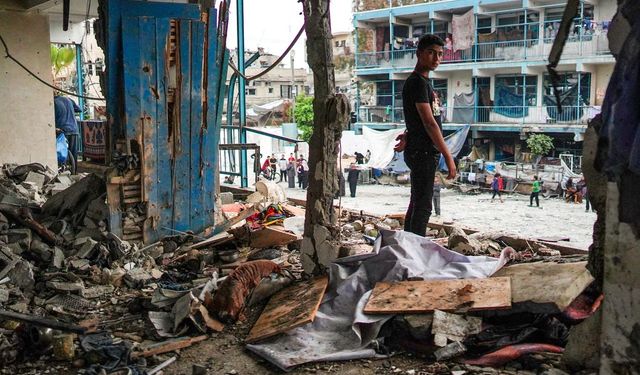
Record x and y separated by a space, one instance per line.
428 40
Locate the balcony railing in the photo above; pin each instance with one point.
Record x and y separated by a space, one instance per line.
525 115
515 50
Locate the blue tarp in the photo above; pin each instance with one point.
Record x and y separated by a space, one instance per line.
509 104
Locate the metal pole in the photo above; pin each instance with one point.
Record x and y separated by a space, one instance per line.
293 84
80 79
393 101
242 105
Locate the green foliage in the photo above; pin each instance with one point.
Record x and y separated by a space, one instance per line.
540 144
61 57
303 112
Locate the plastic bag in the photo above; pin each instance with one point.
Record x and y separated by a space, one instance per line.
62 148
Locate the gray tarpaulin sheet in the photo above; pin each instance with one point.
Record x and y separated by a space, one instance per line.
341 331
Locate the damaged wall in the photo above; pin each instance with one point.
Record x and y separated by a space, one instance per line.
27 128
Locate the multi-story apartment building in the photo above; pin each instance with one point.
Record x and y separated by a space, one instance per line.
343 61
493 74
280 83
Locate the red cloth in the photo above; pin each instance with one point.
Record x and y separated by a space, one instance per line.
500 183
510 353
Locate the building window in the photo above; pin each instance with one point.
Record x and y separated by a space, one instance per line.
586 26
574 95
484 25
285 91
441 29
270 90
514 94
251 91
307 90
440 86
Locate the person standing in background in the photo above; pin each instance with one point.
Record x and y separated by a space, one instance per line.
65 120
535 191
291 173
437 186
496 186
282 165
352 178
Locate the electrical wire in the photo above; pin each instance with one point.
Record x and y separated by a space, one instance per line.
275 64
9 56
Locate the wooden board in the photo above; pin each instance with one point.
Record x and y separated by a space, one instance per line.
271 236
293 210
547 282
289 308
448 295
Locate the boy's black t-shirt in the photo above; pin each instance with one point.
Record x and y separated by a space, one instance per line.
417 89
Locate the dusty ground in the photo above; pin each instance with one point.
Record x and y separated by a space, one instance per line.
555 218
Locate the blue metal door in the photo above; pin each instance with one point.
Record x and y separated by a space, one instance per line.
171 118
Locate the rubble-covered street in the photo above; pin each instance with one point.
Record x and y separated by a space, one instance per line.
556 219
76 297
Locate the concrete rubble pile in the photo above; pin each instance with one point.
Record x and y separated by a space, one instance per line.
75 293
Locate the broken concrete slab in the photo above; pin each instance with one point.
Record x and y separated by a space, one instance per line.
21 275
36 178
97 291
453 327
555 285
452 350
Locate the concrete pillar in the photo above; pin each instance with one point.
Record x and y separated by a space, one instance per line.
620 345
27 128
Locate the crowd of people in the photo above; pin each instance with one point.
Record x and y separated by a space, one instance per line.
286 169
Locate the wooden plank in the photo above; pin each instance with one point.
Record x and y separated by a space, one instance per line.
293 210
291 307
217 239
447 295
168 346
271 236
546 282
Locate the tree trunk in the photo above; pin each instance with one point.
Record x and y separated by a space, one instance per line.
330 114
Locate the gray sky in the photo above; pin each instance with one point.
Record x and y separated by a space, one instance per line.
272 24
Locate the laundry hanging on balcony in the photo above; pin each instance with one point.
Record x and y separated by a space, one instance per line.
463 27
509 104
463 108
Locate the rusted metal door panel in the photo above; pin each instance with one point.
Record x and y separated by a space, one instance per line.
185 96
165 71
197 203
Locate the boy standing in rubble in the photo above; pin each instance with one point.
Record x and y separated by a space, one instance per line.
423 142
